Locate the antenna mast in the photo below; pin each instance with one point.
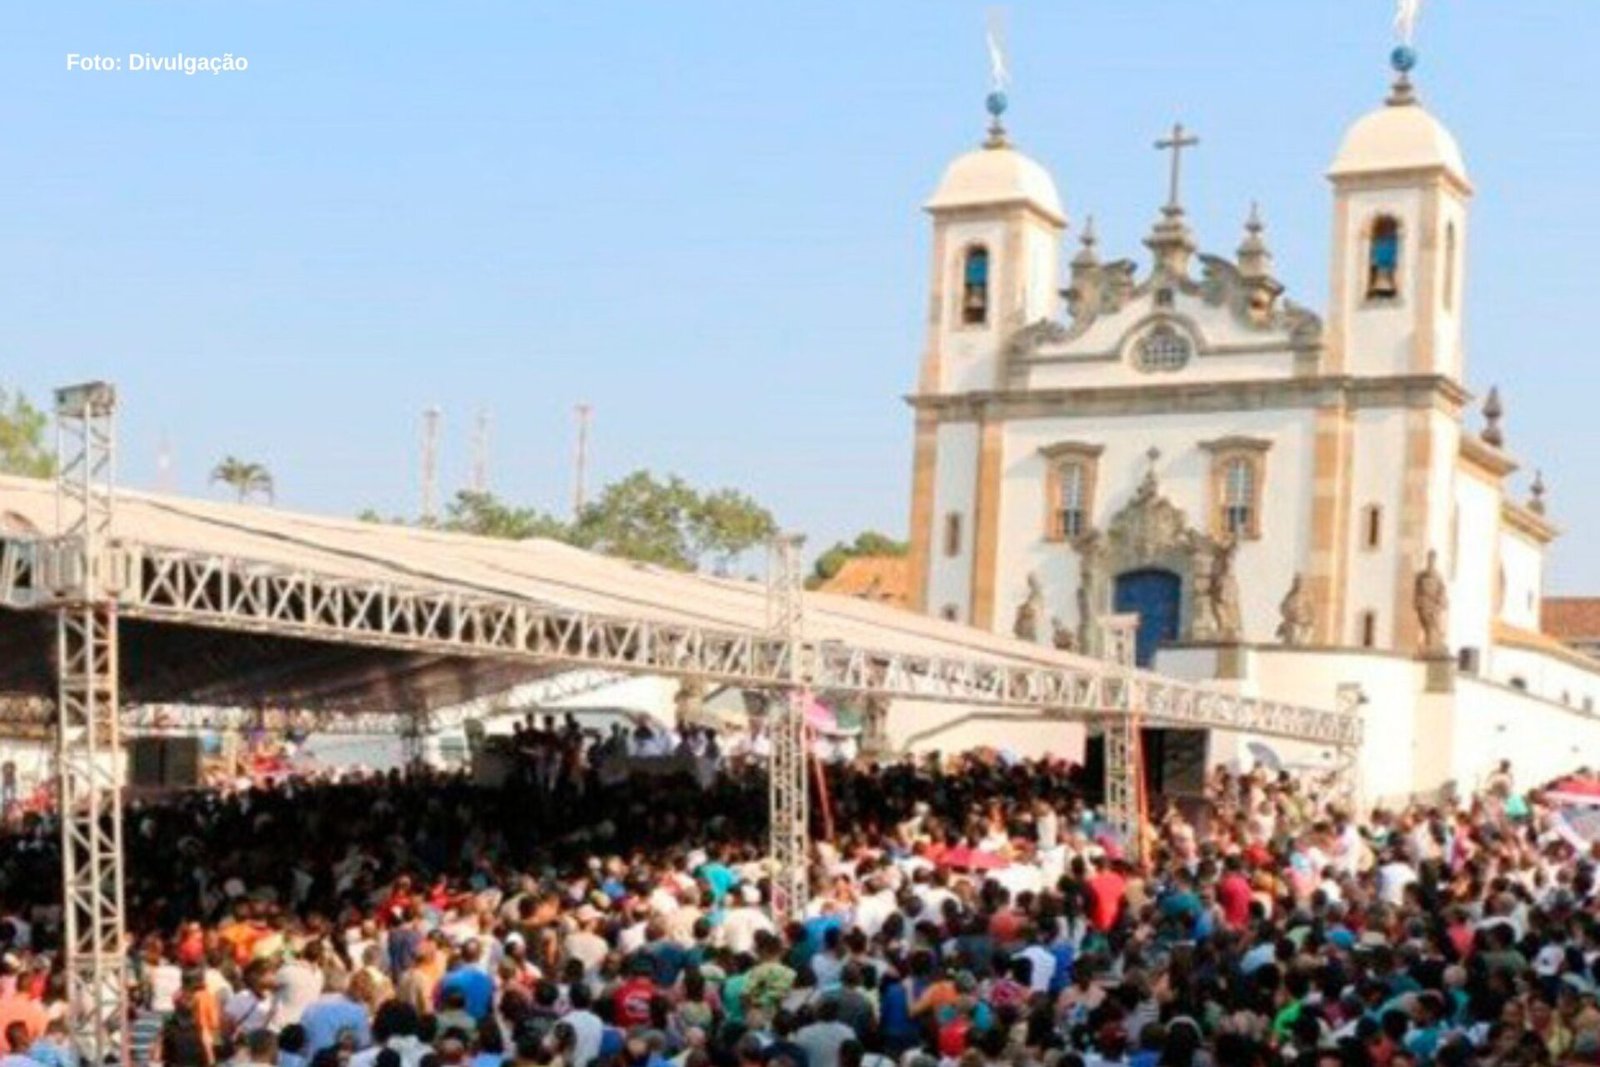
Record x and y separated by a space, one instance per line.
430 464
581 462
480 453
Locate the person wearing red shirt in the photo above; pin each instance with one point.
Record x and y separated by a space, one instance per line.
1105 888
1233 894
631 1002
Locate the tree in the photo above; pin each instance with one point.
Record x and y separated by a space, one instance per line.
22 438
653 520
484 514
671 524
867 543
246 479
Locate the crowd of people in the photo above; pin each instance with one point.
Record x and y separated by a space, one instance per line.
970 912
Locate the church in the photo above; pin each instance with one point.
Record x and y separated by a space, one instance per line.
1303 505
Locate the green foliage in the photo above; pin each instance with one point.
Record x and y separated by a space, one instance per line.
484 514
867 543
22 438
671 524
642 517
244 478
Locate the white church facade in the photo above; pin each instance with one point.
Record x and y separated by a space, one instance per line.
1291 501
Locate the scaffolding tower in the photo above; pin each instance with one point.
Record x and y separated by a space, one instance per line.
788 800
1124 774
88 745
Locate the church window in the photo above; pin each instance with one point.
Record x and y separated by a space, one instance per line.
952 533
975 287
1383 259
1238 476
1372 526
1069 519
1069 489
1239 496
1164 348
1450 267
950 613
1369 629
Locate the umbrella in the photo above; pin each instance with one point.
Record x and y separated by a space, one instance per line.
1265 756
964 857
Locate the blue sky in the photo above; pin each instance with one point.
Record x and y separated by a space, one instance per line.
702 218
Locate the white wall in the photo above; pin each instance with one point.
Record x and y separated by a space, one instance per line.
955 486
1543 740
1472 586
1523 563
1378 451
927 727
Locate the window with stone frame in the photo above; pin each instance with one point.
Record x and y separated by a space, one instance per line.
975 287
1069 489
1383 258
952 534
1238 482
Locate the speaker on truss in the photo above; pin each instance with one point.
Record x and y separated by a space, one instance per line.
164 762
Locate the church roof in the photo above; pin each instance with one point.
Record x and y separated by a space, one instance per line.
1402 135
997 175
885 579
1571 618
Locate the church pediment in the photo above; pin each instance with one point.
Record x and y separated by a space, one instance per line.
1168 321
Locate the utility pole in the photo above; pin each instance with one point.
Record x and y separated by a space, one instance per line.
164 477
581 462
430 464
480 453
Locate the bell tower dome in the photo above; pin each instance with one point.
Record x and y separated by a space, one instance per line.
1400 196
997 230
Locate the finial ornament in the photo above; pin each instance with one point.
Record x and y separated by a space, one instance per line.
999 78
1493 412
1404 57
1536 493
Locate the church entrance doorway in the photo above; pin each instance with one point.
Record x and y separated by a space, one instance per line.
1155 595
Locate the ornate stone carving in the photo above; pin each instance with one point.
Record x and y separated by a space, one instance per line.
1030 612
1028 340
1062 636
1225 590
1253 302
1150 532
1493 412
1297 615
1431 598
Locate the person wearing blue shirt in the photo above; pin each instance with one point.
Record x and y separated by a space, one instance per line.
332 1014
468 978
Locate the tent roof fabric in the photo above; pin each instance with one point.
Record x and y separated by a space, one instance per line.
540 571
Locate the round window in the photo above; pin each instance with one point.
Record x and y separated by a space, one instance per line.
1164 348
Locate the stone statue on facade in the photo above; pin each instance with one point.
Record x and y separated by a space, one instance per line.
1063 637
1225 590
1297 615
1030 612
1431 598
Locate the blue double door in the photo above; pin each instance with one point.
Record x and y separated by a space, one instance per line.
1155 595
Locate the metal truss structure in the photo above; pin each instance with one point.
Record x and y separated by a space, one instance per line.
88 745
789 808
89 578
220 592
1124 785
